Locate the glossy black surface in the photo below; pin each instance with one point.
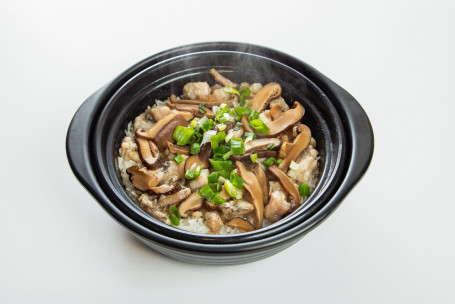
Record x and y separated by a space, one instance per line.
339 124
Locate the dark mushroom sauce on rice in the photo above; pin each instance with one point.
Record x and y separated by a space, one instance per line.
220 159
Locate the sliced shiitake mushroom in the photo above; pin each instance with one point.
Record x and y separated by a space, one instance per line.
151 133
287 184
142 178
223 80
192 202
165 134
240 223
209 104
300 143
176 149
193 109
261 144
285 121
194 159
262 98
148 152
254 188
263 181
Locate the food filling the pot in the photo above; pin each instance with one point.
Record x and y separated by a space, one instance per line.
220 159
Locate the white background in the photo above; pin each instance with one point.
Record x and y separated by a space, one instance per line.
392 239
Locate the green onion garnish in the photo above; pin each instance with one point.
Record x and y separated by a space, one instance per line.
270 146
279 161
221 150
213 178
193 174
231 90
221 127
201 109
232 190
247 134
304 190
194 122
243 110
238 118
218 200
238 126
224 174
209 194
254 157
174 216
215 140
178 158
182 135
195 148
208 125
237 146
260 126
244 95
236 180
254 115
219 165
270 161
227 155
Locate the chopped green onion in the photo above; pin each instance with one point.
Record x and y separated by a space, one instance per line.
193 174
238 126
237 146
231 90
201 109
194 122
195 148
270 146
244 95
219 165
270 161
236 180
182 135
224 174
224 107
238 118
231 190
174 216
221 179
221 150
279 161
227 155
247 134
213 178
215 140
254 115
221 127
254 157
243 110
260 126
178 158
218 200
294 166
304 190
197 136
208 125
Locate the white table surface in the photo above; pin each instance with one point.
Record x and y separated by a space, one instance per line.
390 241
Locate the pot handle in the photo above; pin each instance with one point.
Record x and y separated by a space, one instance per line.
78 141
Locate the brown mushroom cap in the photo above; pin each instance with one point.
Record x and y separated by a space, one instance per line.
151 133
285 121
193 202
300 143
262 143
254 188
143 179
262 98
240 223
209 104
172 199
193 109
165 134
263 181
287 184
148 152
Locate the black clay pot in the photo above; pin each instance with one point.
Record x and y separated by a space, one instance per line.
338 123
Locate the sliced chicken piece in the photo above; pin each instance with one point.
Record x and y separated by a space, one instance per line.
277 206
265 116
199 181
151 206
141 122
159 111
255 87
306 166
129 150
213 221
172 199
233 209
192 89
